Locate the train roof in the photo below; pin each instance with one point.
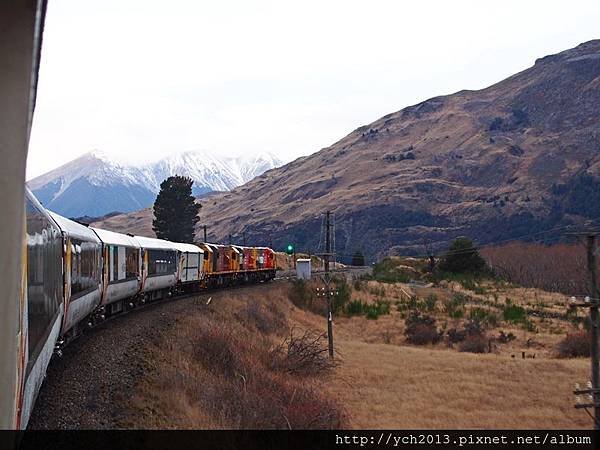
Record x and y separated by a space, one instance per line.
188 248
74 229
153 243
213 246
113 238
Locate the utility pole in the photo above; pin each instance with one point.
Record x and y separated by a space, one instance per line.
244 238
327 255
595 294
205 240
592 302
230 241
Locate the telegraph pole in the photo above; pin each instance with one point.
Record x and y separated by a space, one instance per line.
592 302
205 240
244 238
327 255
595 294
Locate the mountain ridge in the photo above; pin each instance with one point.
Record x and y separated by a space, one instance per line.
95 184
518 157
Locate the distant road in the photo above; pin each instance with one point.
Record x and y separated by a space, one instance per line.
349 272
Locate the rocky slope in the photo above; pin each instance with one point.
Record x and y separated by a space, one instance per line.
517 157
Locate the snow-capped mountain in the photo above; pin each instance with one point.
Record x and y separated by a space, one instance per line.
94 184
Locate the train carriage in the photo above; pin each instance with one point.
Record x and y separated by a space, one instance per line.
250 258
190 270
82 267
210 258
159 267
241 266
268 258
121 271
42 303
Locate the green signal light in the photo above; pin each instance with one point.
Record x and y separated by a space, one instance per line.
289 249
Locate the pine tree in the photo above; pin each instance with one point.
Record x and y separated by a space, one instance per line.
462 257
175 210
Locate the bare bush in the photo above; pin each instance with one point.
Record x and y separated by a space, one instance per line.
455 335
556 268
575 345
248 392
476 343
305 354
505 338
303 295
421 329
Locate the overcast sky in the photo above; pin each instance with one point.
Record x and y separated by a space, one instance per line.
141 79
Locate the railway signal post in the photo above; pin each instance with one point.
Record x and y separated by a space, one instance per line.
592 391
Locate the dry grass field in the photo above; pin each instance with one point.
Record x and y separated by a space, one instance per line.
214 370
389 386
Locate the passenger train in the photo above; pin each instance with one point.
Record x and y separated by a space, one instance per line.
75 276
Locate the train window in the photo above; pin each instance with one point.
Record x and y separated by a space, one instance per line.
115 262
85 262
132 262
161 262
44 278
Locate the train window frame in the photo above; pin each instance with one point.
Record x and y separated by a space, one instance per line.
91 261
44 248
129 260
161 262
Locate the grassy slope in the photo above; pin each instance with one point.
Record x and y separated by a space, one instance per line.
381 382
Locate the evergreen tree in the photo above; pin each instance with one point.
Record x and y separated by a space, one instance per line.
461 257
358 259
175 210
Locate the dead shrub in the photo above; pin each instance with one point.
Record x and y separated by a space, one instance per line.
305 354
219 373
303 295
421 329
455 335
575 345
505 338
476 343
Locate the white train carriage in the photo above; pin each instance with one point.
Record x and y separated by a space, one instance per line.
82 266
121 271
191 260
159 267
42 305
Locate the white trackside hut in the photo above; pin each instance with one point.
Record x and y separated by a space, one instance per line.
303 269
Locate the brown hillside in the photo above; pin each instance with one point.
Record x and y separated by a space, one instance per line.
517 157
